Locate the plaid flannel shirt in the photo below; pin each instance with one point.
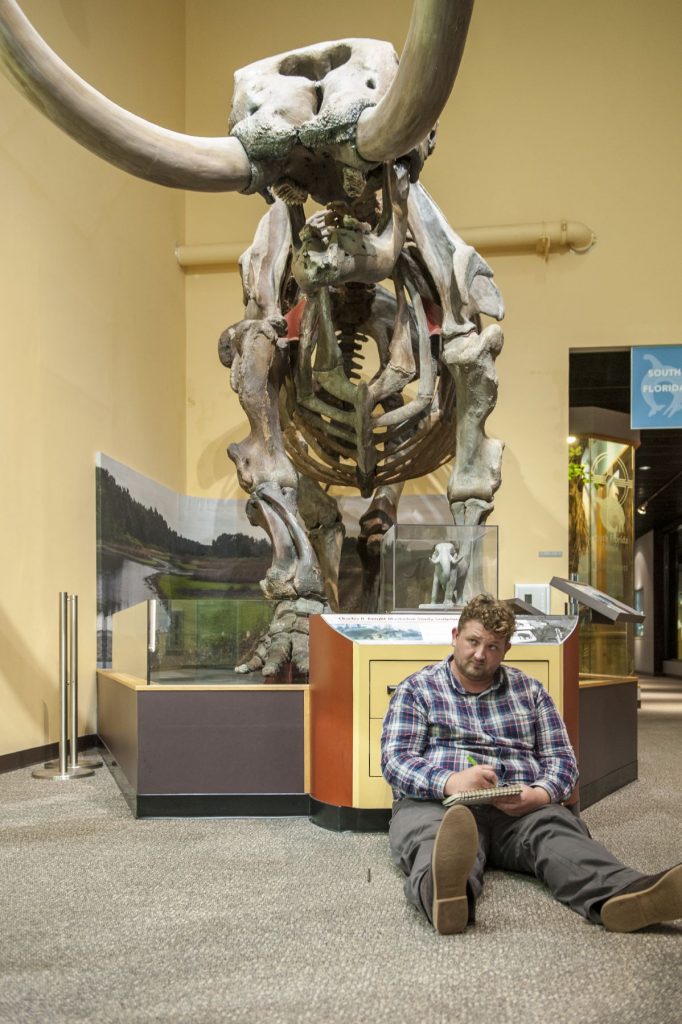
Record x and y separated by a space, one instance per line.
433 724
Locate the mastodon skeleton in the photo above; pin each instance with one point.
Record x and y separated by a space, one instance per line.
377 272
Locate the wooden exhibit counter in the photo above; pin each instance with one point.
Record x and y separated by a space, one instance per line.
203 750
608 735
268 749
351 681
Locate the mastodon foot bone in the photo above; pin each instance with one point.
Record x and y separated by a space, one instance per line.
281 653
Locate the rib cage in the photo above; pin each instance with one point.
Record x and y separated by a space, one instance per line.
335 429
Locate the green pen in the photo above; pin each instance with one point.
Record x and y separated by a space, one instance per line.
471 761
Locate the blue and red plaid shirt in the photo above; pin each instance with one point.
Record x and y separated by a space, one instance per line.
433 724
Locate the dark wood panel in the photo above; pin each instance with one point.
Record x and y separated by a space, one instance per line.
608 738
221 741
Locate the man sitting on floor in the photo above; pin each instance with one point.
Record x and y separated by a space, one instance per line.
471 723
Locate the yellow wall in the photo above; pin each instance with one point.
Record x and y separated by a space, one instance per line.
92 339
560 110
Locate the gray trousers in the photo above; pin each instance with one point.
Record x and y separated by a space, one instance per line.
552 844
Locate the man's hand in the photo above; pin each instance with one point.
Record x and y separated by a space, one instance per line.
478 777
529 800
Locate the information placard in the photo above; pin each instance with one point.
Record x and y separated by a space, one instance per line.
656 387
437 629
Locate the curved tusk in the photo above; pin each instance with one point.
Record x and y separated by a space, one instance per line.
428 67
131 143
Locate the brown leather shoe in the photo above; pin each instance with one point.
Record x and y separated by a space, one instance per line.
454 853
651 900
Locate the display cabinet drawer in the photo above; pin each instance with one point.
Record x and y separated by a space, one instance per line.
384 675
387 674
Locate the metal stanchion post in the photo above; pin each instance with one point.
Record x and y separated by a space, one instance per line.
74 760
572 604
60 770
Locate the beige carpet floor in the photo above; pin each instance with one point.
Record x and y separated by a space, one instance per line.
107 919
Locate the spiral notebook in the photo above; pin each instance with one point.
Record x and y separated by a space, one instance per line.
482 796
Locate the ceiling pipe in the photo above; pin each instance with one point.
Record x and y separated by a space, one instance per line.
542 239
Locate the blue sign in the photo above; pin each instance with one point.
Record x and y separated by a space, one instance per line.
656 387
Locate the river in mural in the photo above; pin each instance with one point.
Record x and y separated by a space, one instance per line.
202 561
199 558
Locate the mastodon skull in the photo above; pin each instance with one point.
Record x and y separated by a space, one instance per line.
296 114
328 109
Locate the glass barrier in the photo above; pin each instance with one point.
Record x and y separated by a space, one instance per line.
606 648
189 640
129 641
202 639
428 567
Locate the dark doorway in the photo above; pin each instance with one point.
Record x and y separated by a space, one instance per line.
602 379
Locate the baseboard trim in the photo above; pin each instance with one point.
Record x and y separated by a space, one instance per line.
36 755
592 792
349 819
221 805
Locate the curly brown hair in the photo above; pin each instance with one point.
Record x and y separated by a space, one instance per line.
495 616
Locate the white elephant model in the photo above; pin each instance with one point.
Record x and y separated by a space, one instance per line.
449 574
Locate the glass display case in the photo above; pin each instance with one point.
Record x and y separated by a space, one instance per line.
436 566
203 637
601 513
188 640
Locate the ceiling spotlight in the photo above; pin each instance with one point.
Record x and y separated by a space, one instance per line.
643 469
643 507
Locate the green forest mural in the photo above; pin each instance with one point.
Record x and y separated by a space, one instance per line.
210 605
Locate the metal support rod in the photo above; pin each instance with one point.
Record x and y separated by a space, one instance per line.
68 680
63 679
74 760
573 606
73 679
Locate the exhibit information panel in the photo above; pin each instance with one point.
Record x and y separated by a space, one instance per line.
357 661
421 628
